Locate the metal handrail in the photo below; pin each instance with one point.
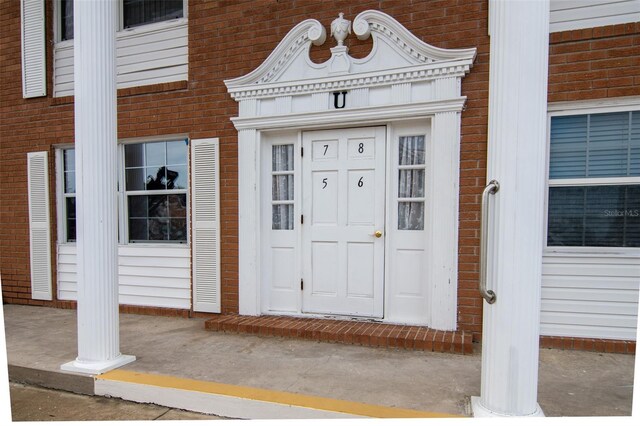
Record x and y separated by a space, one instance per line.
491 188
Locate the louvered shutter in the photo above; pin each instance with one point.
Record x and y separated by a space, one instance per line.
39 225
33 48
205 236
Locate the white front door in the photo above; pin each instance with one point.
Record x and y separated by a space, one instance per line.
343 208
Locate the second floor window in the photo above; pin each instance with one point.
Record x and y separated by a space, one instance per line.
141 12
134 14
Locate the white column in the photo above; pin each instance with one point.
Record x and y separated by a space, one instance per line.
96 193
248 223
519 33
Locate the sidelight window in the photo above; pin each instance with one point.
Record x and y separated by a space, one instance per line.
411 182
282 187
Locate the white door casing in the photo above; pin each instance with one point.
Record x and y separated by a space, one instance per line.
402 79
343 203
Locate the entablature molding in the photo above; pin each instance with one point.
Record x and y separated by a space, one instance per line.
368 115
397 58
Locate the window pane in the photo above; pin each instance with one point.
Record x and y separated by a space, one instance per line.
66 19
178 230
411 150
69 160
595 145
566 216
176 152
594 216
411 216
634 149
136 179
156 178
568 158
138 207
411 183
70 210
70 182
177 177
178 206
69 164
282 216
158 217
138 230
282 158
158 206
158 229
134 155
140 12
608 144
632 217
154 154
282 187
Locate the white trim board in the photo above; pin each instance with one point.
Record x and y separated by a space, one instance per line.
566 15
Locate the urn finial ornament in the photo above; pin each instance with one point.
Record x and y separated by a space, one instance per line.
340 28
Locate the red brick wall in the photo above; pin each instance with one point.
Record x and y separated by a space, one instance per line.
228 39
595 63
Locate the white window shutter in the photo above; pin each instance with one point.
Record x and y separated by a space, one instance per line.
39 225
34 81
205 235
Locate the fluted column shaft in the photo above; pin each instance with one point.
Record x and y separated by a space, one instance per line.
519 32
95 24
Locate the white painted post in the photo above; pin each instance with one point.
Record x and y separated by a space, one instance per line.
95 25
248 223
519 33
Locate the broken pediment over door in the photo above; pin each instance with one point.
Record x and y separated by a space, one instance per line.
400 69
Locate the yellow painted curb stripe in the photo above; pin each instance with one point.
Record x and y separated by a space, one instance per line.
265 395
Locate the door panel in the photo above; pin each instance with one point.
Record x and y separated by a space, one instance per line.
343 205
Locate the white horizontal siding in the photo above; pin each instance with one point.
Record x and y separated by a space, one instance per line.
592 296
147 275
577 14
151 54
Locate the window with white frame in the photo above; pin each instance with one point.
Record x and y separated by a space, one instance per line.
68 195
282 187
154 206
155 191
594 180
411 182
133 14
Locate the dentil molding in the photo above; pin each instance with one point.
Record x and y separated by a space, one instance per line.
397 57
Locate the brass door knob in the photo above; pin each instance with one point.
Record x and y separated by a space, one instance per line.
378 234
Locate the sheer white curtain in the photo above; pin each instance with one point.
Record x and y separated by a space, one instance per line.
411 182
282 186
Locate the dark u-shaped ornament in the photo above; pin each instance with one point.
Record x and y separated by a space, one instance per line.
336 99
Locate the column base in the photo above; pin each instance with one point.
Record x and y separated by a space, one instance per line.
478 410
94 368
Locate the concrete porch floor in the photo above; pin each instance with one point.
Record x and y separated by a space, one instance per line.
571 383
